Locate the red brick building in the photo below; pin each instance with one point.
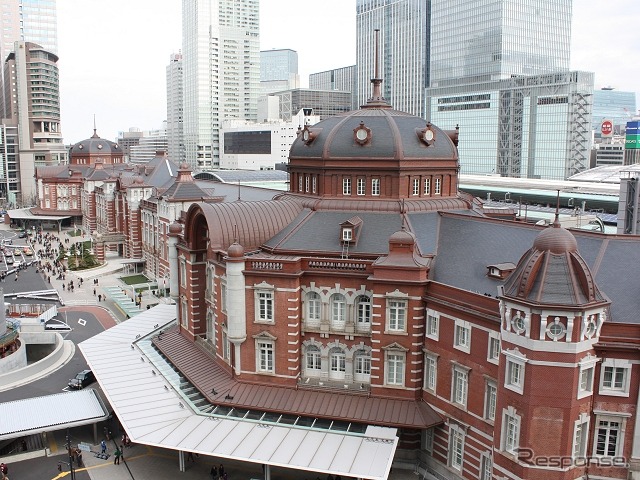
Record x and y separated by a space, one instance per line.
374 292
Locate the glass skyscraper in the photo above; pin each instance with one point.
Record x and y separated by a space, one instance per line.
32 21
221 72
404 50
480 40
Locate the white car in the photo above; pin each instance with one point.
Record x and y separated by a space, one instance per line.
16 264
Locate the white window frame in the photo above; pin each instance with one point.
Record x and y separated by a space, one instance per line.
510 438
514 373
363 312
456 447
313 353
347 234
615 366
265 355
346 186
264 306
428 435
361 185
493 348
415 191
314 184
300 183
430 381
486 466
375 187
459 385
306 183
313 309
580 436
437 187
337 364
338 305
490 399
462 336
433 324
184 313
395 362
586 378
427 186
183 272
609 417
362 366
397 314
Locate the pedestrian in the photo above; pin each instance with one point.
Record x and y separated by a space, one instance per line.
103 447
221 471
214 473
190 457
116 456
94 292
99 298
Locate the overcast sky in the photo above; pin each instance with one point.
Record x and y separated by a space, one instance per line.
113 54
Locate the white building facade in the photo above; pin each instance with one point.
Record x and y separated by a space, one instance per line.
175 109
221 68
259 146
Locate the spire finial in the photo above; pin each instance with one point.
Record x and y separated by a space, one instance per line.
556 221
95 133
376 100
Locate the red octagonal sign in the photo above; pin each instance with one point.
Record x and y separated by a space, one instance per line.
606 128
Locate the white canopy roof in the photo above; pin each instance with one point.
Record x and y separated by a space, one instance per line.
146 397
50 412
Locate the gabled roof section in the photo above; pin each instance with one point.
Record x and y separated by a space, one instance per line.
184 187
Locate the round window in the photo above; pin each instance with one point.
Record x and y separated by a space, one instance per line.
517 323
556 330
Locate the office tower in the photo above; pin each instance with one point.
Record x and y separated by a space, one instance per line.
404 51
614 105
344 79
323 103
29 21
499 71
31 81
476 41
32 21
278 71
152 143
175 103
220 57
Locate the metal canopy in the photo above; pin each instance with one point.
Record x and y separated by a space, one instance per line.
154 412
26 214
50 412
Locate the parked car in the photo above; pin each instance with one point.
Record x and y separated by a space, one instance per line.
82 379
55 324
16 264
27 251
22 235
17 251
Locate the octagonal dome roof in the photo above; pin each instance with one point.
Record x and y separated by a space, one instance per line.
95 146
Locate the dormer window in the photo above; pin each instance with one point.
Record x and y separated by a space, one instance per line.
349 230
500 270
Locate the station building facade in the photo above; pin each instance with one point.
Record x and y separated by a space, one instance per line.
375 292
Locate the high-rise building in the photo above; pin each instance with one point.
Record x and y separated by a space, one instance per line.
475 41
152 144
31 82
28 21
175 109
344 79
323 103
278 71
221 69
500 72
404 51
613 105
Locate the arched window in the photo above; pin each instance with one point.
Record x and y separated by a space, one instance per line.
313 309
363 313
362 366
338 311
337 364
313 361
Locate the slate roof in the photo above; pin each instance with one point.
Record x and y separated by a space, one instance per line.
467 245
319 231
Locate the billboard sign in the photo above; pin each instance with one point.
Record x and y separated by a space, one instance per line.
606 128
632 142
